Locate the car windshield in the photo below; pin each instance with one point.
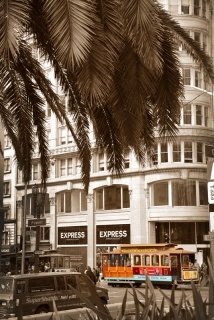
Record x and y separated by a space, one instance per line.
6 284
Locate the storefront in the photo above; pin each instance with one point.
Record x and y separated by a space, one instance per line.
109 237
73 241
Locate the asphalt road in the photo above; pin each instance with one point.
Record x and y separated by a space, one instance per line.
116 294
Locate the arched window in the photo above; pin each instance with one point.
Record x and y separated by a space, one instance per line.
112 197
71 201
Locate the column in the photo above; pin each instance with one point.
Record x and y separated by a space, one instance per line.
138 211
91 251
53 224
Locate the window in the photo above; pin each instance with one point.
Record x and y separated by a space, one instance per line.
204 9
71 281
41 284
48 111
206 82
176 151
6 188
137 260
197 79
161 194
155 155
101 162
5 237
185 9
65 136
7 212
127 160
164 152
196 8
155 260
186 76
197 37
187 114
112 197
203 196
65 167
206 116
7 164
60 283
198 115
199 152
187 152
44 233
62 136
36 171
164 260
72 201
182 232
183 192
7 143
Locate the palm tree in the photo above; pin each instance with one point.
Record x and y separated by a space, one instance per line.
117 62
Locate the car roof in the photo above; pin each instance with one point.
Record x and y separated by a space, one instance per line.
40 274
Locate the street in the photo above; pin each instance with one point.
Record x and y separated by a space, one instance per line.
116 294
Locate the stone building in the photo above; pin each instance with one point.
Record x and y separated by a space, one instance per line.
168 196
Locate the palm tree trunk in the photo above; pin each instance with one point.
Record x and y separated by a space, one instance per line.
24 230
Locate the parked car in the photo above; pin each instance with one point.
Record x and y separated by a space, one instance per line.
36 292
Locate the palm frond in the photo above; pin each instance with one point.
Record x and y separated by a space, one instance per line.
70 24
169 89
142 26
22 117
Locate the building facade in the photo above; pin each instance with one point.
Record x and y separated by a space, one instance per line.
166 198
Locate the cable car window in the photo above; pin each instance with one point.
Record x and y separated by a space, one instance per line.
146 260
137 260
164 260
60 261
185 261
174 261
155 260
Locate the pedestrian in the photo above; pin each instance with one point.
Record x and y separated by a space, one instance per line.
91 275
98 274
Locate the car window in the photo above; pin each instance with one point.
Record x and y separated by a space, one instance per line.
41 284
71 280
83 286
60 283
20 286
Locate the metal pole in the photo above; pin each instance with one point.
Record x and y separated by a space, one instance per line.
24 231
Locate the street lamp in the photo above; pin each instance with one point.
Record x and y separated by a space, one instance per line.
38 204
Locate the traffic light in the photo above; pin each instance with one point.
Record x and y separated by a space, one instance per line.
166 238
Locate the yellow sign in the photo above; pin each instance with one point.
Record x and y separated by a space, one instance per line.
190 274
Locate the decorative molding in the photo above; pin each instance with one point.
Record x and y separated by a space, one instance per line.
90 198
52 160
19 204
52 201
146 193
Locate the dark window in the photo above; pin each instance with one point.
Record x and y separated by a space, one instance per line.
71 281
183 193
185 9
203 196
60 283
176 152
41 284
161 194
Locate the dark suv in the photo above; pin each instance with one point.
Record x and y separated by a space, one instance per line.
36 292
